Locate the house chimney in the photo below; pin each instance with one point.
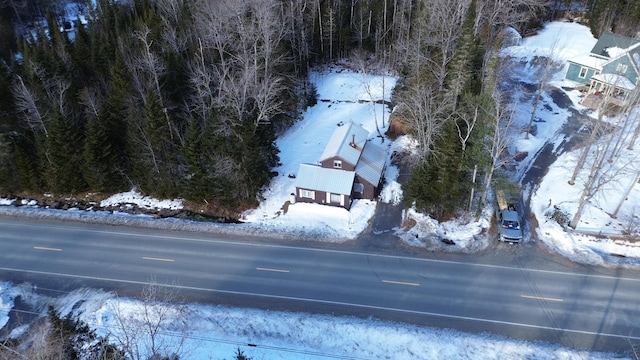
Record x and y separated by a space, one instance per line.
353 141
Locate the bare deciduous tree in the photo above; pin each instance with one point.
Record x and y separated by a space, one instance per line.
636 132
601 175
546 67
89 98
500 124
496 14
424 113
598 130
444 24
26 104
627 123
625 196
246 36
139 331
595 133
149 68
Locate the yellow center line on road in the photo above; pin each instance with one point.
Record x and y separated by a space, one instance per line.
400 283
157 259
541 298
272 270
46 248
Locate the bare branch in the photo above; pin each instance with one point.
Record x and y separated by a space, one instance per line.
26 103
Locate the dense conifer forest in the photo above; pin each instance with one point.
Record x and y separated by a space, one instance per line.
185 98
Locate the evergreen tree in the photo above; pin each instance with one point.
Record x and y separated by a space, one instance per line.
64 151
83 66
72 339
239 355
68 335
8 43
8 170
465 69
621 17
155 158
100 161
198 182
442 183
257 156
116 116
438 186
133 135
28 165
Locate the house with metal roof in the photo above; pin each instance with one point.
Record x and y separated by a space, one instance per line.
610 71
350 167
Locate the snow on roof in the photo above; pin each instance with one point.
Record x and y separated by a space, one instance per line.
371 163
589 61
618 81
615 52
609 41
314 177
340 143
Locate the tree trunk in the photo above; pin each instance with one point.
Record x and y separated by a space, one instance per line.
626 195
585 152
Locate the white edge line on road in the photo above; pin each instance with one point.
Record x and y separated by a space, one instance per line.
272 270
400 283
340 252
427 313
541 298
46 248
157 259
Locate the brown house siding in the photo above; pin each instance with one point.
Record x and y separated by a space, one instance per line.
320 197
369 189
328 164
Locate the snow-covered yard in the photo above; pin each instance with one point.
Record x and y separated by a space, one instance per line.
563 41
215 332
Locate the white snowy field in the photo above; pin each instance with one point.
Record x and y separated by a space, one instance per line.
215 332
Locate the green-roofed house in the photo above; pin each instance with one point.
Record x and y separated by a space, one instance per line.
611 70
351 167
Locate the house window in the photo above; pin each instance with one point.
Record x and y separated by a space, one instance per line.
583 72
621 68
337 164
307 194
619 93
336 198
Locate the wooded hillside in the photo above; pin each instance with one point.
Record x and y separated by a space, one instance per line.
184 98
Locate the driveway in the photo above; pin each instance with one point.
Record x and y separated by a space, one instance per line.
380 235
571 136
381 231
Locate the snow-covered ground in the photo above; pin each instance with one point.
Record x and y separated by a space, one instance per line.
215 332
343 96
563 41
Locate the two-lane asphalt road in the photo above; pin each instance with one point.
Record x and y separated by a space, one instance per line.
595 312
